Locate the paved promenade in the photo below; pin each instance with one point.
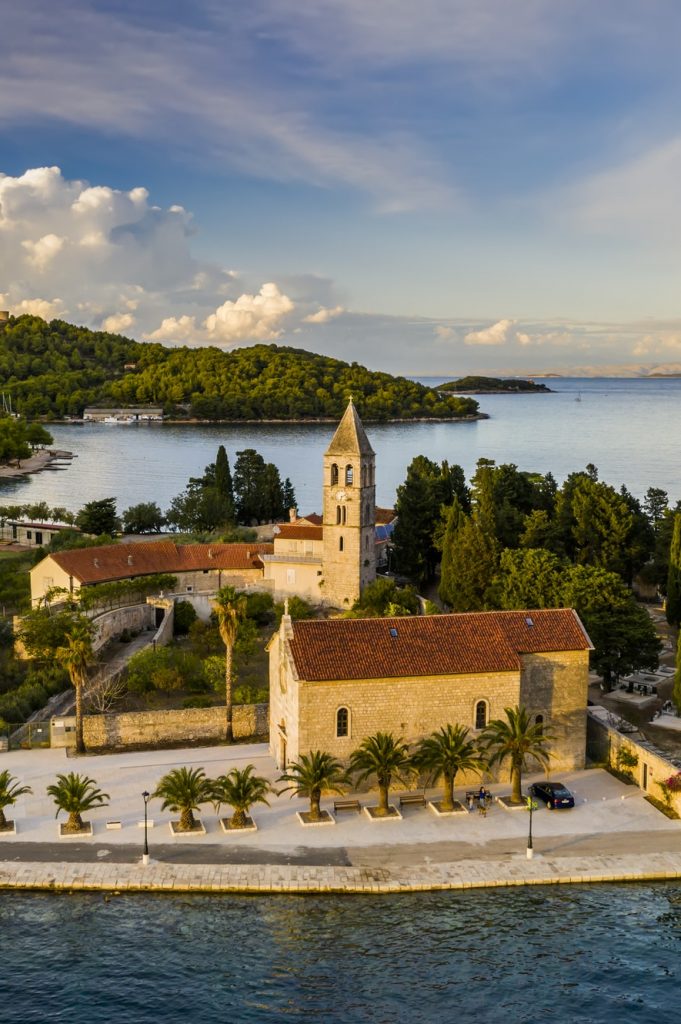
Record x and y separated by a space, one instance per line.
613 834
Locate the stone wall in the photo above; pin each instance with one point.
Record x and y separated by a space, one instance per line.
136 730
604 741
134 617
555 685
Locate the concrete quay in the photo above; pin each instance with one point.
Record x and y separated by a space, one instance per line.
613 834
271 878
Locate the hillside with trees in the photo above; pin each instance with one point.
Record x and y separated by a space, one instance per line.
57 369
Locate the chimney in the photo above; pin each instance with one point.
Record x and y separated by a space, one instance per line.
96 561
210 552
292 515
129 559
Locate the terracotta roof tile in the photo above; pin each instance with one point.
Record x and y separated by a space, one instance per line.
300 531
120 561
385 515
431 645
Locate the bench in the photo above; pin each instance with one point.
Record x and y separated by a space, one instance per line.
346 805
415 799
113 824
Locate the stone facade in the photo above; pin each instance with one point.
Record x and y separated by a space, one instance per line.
136 730
349 499
304 713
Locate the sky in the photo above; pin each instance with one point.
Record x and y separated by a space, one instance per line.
446 187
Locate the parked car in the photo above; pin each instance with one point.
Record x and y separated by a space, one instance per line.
554 794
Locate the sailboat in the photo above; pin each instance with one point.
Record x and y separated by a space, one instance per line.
579 397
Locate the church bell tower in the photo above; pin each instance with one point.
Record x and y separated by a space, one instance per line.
349 560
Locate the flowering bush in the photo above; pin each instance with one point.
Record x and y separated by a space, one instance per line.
673 783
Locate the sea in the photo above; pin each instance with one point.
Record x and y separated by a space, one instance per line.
537 955
630 429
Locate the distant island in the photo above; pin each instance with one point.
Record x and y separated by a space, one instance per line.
494 386
55 370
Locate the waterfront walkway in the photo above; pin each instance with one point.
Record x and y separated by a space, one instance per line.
613 834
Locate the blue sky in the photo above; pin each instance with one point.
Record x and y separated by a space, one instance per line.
442 187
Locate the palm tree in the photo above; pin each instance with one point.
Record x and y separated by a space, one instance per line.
183 790
76 794
240 789
311 774
385 757
516 739
76 656
230 607
443 754
10 791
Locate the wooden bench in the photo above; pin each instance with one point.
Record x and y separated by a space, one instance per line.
346 805
412 799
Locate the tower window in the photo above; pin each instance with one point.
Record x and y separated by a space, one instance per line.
481 714
338 515
344 514
334 473
342 722
348 475
539 722
340 544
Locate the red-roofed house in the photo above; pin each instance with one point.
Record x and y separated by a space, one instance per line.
198 567
333 682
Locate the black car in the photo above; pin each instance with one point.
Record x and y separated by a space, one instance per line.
554 794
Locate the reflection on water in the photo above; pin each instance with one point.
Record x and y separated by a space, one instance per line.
573 954
629 429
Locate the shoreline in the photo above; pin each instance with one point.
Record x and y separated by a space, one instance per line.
272 879
269 422
35 464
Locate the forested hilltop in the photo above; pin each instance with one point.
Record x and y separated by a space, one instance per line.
57 369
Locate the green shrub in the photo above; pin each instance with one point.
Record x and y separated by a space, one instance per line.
199 701
185 617
260 607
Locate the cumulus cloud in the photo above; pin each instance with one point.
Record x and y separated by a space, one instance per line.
112 259
498 334
443 333
118 322
249 318
323 315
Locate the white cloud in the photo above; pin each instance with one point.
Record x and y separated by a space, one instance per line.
248 318
48 309
43 251
498 334
323 315
118 322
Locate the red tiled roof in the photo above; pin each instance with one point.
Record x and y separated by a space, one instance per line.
300 531
432 645
121 561
314 519
385 515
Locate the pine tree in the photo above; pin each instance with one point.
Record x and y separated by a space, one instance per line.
673 605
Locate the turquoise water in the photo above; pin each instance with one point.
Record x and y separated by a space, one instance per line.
570 954
629 428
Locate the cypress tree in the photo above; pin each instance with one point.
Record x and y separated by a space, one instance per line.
223 475
673 605
455 520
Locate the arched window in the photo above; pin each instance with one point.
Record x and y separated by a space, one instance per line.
338 515
539 722
334 473
344 514
366 541
340 544
367 514
481 714
348 475
342 722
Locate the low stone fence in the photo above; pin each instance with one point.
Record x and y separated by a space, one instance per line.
604 741
110 624
141 730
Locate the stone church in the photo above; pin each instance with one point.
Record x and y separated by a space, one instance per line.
333 682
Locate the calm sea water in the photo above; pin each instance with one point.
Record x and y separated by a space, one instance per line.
576 954
631 429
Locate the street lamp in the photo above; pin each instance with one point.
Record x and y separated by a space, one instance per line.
145 855
532 805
